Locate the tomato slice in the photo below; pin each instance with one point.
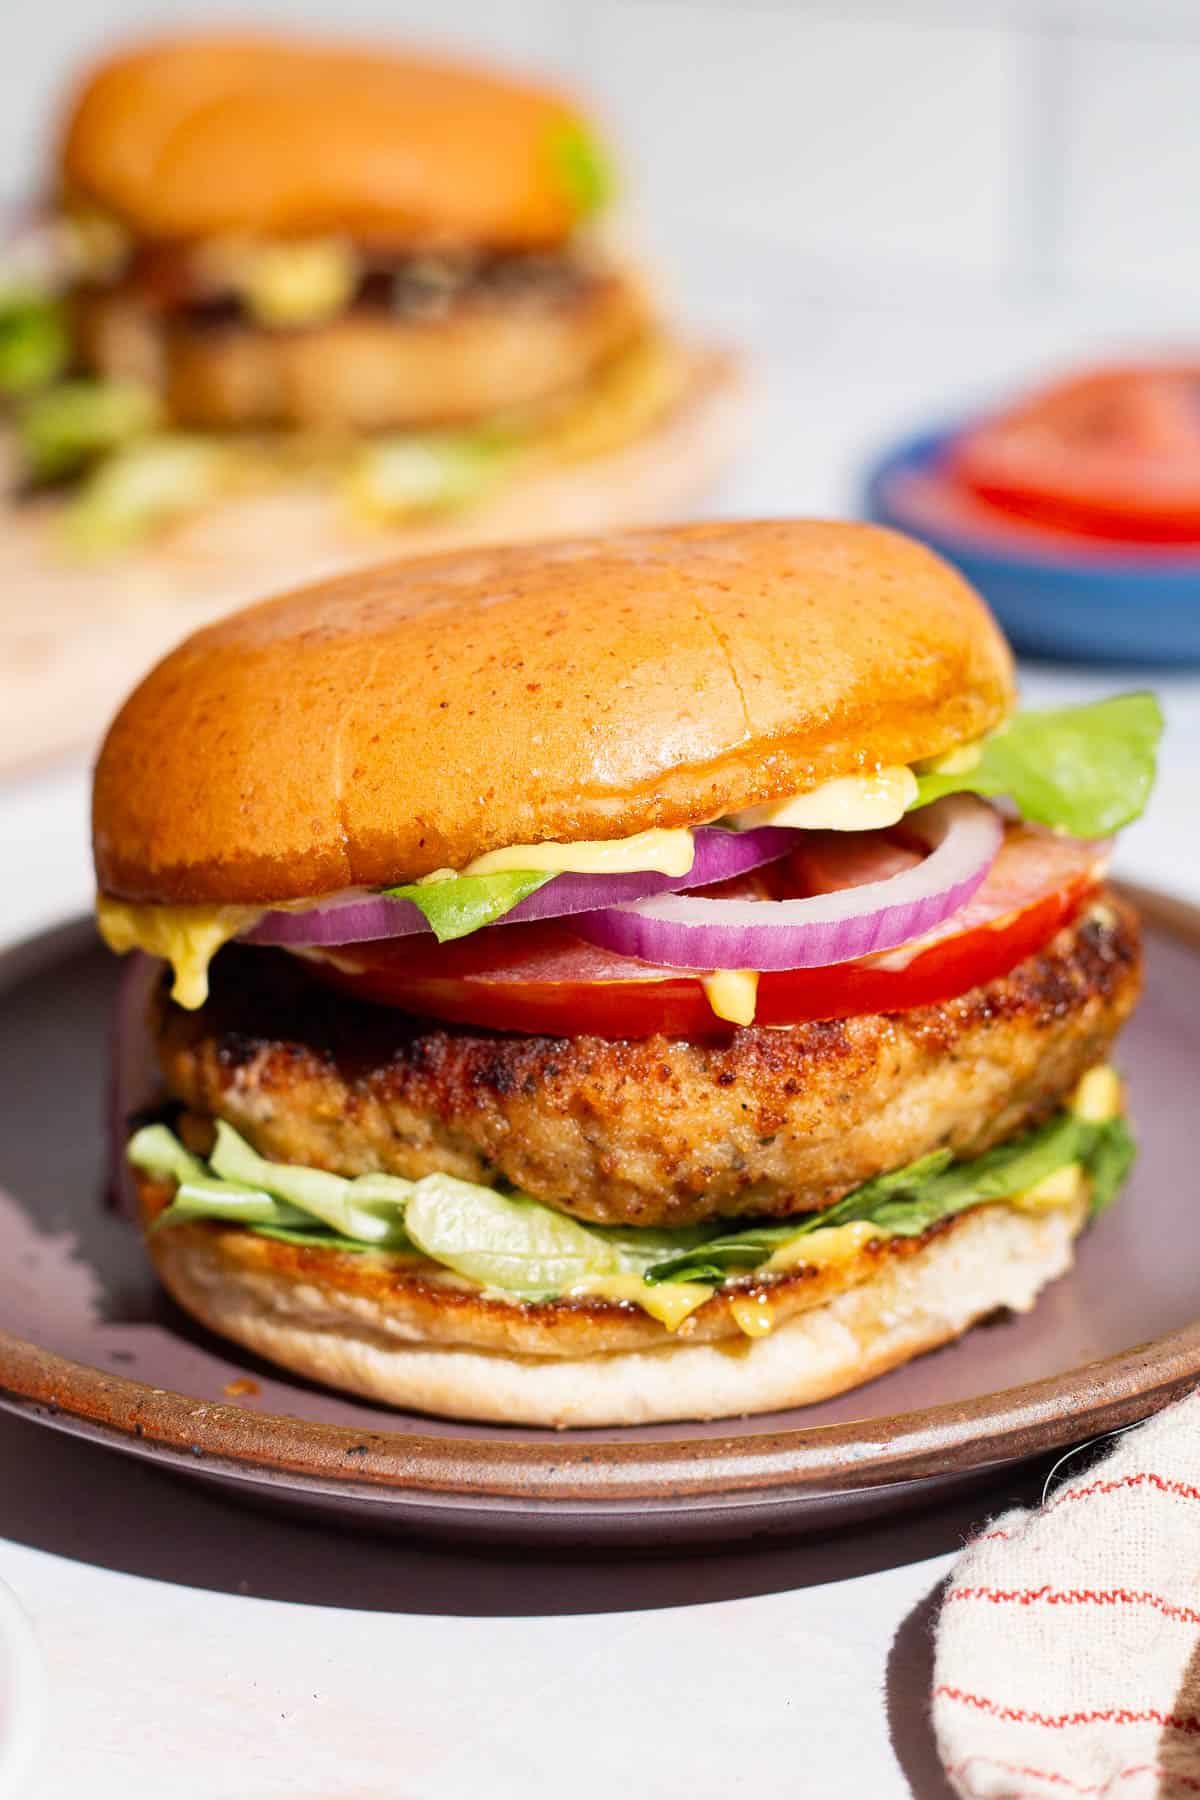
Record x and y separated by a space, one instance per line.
1113 453
541 978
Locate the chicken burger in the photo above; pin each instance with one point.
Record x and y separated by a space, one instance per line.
654 977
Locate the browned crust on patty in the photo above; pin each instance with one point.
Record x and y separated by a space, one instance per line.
656 1131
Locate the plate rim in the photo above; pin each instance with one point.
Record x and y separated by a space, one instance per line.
588 1474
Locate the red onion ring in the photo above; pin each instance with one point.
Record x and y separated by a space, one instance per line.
684 931
134 1081
720 855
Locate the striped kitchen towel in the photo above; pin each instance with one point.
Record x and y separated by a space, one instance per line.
1068 1645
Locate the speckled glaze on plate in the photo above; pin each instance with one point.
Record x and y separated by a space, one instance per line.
89 1344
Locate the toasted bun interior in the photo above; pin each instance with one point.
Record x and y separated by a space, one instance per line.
409 717
995 1258
194 137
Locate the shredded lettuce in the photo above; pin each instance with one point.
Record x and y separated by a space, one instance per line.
519 1246
75 422
35 343
416 473
310 1238
140 487
1108 1164
743 1250
907 1201
238 1185
465 903
508 1241
1086 770
157 1151
505 1241
208 1199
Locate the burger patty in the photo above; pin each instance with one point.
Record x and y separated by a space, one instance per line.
369 369
658 1131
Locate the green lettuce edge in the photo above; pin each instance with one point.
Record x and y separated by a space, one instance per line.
1086 770
908 1201
557 1249
465 903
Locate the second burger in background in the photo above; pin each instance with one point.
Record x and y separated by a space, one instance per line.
375 277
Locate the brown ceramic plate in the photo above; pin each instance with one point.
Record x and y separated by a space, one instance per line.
90 1345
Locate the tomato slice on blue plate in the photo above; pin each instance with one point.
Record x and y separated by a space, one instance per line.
1112 453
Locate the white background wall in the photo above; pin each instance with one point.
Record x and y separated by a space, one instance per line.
882 149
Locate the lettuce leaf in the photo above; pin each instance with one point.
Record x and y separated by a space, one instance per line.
465 903
505 1241
510 1242
1108 1166
240 1187
518 1245
209 1199
310 1238
583 168
35 342
722 1256
370 1208
907 1201
157 1151
419 473
501 1240
1086 770
140 487
75 422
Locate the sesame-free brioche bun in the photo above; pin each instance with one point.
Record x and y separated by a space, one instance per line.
410 717
199 136
391 1338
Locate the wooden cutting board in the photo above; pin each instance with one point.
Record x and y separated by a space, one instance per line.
75 637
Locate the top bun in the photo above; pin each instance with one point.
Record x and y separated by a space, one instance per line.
194 137
411 717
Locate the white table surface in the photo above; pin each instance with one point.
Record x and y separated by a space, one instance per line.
198 1652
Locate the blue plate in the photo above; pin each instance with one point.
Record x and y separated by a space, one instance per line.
1094 606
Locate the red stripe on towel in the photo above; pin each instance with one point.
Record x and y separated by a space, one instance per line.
1108 1715
1188 1615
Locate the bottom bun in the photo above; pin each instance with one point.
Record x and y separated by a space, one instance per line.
991 1258
83 630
